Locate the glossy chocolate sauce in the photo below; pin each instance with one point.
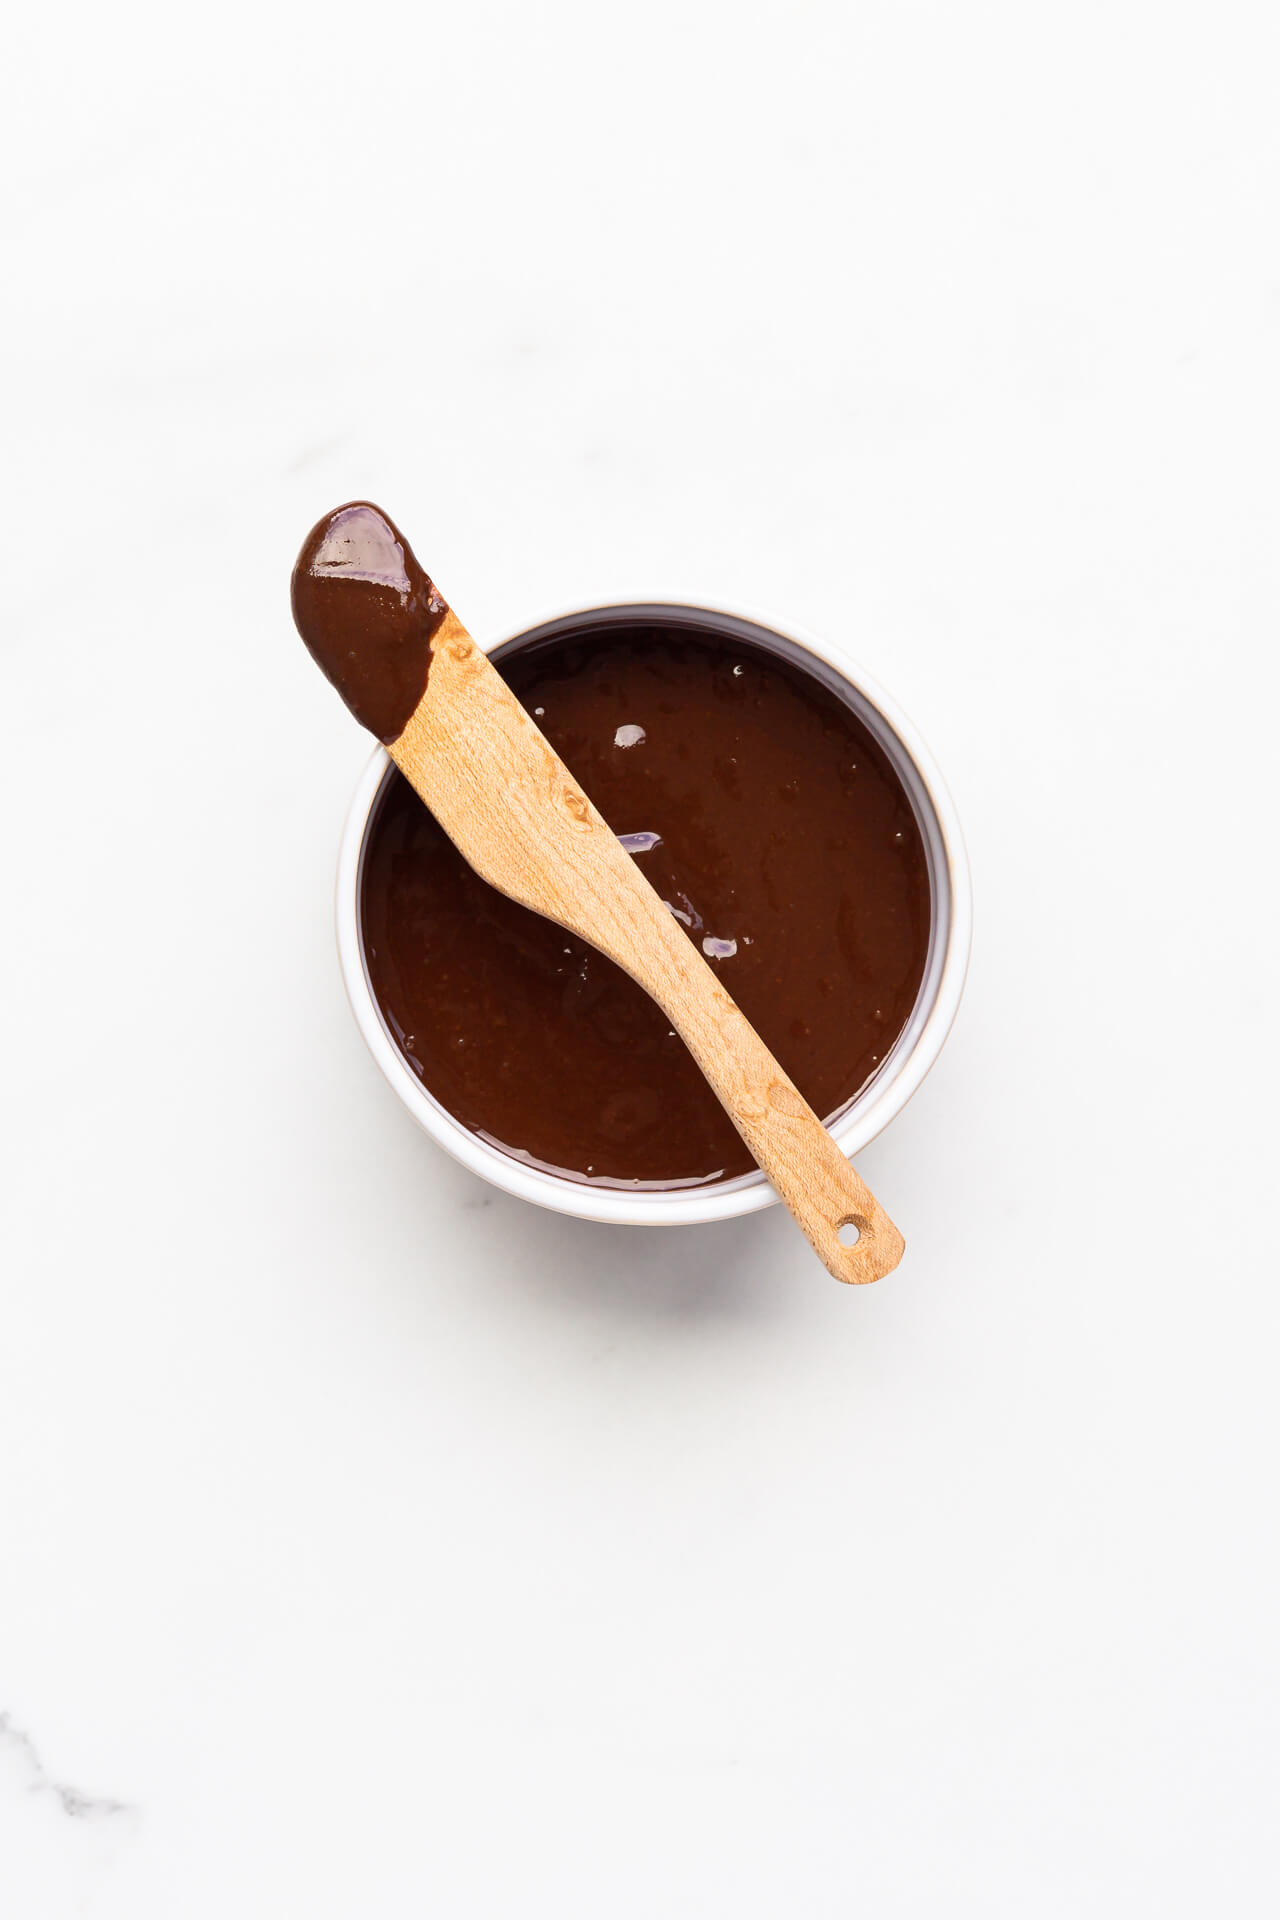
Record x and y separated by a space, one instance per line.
769 821
367 612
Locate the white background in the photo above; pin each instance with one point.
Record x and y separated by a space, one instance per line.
383 1546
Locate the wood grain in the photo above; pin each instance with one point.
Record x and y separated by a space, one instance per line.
516 813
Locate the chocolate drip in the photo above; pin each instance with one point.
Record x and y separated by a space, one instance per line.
367 612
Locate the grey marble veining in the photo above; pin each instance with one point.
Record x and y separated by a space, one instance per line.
32 1776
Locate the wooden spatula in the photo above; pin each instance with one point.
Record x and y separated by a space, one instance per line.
517 814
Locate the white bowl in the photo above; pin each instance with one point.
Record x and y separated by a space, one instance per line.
900 1074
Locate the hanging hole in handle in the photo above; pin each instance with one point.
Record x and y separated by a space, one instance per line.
850 1230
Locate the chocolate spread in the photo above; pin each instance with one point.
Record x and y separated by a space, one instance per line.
751 796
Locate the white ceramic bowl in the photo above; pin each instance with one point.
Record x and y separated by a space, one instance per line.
905 1067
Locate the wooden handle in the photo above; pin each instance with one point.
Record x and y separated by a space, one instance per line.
785 1136
517 815
788 1140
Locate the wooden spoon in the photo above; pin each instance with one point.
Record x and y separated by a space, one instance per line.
516 813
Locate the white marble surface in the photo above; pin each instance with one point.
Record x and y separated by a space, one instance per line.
369 1543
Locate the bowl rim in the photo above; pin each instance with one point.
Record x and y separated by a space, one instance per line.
866 1116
